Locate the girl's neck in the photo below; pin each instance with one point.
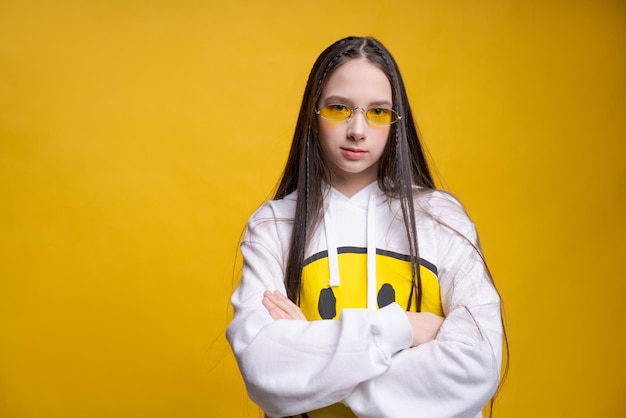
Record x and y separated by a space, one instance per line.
349 187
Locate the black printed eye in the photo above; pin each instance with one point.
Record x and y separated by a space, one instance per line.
327 304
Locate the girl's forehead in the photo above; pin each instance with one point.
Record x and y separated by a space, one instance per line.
358 80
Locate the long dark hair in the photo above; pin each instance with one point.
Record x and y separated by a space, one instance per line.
402 165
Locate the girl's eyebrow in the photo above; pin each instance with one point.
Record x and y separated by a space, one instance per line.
336 99
386 103
343 100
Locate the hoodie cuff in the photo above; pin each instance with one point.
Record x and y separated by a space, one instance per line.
391 329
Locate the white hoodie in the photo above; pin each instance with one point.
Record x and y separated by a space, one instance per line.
362 359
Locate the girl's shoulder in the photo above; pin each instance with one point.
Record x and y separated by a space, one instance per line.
437 200
444 208
274 210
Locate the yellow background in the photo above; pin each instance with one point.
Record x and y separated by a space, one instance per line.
136 137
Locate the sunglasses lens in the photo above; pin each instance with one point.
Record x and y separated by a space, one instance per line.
382 115
379 115
335 112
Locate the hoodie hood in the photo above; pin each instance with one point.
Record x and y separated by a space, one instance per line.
366 199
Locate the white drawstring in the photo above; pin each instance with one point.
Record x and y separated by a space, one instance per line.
371 252
333 257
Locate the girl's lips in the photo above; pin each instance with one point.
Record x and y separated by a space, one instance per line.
353 153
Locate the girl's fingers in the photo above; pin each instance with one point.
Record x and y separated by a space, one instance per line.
291 309
425 326
280 307
274 312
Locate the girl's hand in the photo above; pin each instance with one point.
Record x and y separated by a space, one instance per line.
425 326
280 307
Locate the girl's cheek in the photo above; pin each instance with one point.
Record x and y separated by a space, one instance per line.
330 124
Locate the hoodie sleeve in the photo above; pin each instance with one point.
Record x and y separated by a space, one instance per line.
456 374
291 366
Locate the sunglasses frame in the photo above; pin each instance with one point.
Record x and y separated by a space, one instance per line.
352 109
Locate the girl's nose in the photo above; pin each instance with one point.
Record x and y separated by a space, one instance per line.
357 125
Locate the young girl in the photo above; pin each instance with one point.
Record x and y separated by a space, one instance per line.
364 291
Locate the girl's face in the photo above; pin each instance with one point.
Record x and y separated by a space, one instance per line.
352 147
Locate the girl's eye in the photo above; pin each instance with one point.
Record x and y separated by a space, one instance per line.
381 115
335 112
